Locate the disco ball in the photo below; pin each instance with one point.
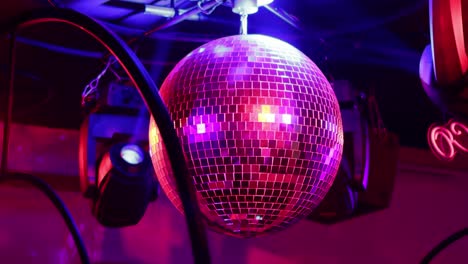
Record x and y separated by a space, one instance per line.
260 128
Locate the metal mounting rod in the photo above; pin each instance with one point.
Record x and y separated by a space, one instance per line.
169 12
189 13
244 24
157 10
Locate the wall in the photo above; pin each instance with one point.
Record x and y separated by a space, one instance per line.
428 205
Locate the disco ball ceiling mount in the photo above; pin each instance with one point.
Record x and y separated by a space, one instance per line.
261 131
247 7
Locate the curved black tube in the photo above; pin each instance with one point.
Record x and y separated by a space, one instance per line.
59 204
150 94
444 244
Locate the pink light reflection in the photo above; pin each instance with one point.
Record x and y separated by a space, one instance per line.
445 142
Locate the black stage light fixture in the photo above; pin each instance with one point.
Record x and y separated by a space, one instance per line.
124 175
115 167
365 179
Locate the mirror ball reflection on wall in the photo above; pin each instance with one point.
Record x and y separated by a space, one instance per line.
261 131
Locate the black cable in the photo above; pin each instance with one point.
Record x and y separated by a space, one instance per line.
43 186
58 203
149 92
445 243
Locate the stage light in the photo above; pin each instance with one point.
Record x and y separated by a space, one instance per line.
124 186
261 130
365 181
115 167
132 154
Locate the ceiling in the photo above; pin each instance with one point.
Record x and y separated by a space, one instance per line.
375 44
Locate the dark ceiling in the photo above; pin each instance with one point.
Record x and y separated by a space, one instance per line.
374 44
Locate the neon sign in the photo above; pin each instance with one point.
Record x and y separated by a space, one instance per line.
448 140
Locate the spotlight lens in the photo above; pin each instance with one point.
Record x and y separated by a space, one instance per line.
132 154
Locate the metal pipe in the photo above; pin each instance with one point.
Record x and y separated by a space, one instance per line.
244 24
177 19
160 11
284 16
170 12
150 8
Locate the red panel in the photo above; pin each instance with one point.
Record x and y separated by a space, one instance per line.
448 41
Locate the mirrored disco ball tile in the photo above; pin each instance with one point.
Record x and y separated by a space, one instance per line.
261 130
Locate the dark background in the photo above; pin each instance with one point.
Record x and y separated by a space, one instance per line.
374 44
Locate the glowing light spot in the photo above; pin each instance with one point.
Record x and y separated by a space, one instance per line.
286 119
259 218
266 109
201 50
221 50
154 135
266 116
446 141
329 157
132 154
201 128
238 70
264 2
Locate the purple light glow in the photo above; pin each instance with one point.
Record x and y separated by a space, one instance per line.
261 130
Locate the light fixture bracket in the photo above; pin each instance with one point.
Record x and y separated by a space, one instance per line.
248 7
